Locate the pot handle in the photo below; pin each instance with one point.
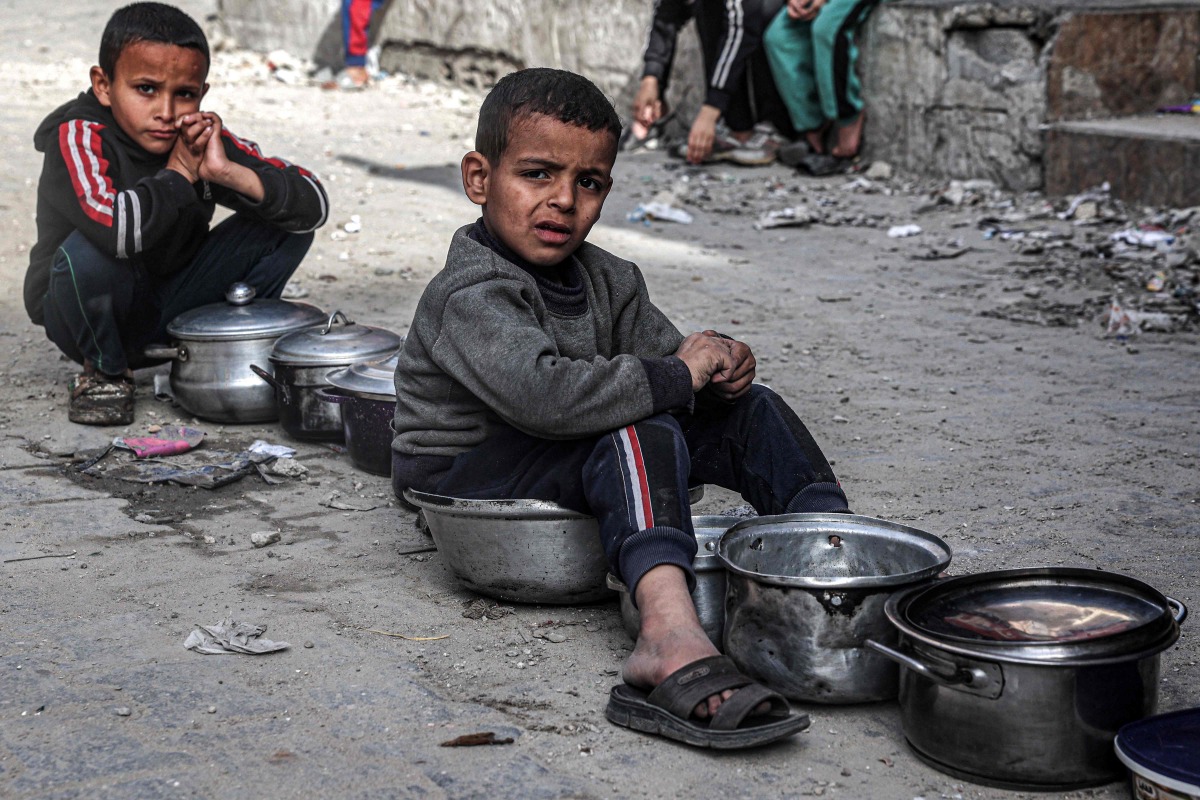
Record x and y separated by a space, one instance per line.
163 351
332 317
973 679
284 390
1181 613
330 397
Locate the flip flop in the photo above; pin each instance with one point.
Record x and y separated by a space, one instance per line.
667 710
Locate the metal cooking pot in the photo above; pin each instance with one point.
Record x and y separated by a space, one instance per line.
806 591
213 346
1021 678
709 595
366 395
302 360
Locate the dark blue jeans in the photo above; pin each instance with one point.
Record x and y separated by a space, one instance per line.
107 310
635 480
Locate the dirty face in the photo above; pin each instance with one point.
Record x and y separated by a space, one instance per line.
545 194
152 86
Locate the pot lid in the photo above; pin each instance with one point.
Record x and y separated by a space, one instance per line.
243 317
1164 748
828 551
1050 613
338 342
376 378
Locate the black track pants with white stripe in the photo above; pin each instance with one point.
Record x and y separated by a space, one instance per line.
106 310
635 480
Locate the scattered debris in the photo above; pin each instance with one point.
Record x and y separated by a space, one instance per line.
903 231
167 441
476 739
264 538
485 609
406 638
793 216
231 636
659 212
47 555
341 505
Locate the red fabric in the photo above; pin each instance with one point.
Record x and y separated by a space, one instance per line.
360 18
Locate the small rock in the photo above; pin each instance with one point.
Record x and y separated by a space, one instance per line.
154 429
879 171
123 711
556 637
309 645
210 539
264 538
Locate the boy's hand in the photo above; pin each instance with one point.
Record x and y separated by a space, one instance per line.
804 10
648 106
702 134
732 383
187 156
705 356
214 166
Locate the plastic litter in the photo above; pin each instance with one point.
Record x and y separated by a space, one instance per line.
1144 238
169 440
903 231
795 216
659 212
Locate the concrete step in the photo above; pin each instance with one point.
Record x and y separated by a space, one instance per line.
1146 159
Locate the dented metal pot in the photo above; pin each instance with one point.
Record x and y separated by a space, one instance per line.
805 592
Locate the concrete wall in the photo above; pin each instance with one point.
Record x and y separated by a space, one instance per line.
954 89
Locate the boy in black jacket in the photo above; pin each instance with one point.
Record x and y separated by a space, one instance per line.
132 172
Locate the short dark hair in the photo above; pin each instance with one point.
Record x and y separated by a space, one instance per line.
559 94
148 22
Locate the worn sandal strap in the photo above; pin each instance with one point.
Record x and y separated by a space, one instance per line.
683 690
740 706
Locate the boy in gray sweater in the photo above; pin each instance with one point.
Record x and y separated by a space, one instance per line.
537 367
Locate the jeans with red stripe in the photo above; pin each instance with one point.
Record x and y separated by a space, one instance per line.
635 480
106 310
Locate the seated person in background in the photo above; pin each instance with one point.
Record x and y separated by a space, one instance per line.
537 367
132 171
738 91
811 48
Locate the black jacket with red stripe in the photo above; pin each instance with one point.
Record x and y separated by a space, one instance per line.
97 180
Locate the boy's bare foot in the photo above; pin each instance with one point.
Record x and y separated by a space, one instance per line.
671 636
849 137
816 138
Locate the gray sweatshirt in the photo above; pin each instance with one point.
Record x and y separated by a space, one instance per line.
484 350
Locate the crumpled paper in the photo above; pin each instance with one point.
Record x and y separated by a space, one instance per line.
231 636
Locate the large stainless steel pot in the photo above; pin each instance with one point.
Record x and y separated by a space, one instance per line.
301 362
366 395
709 595
1021 678
806 591
213 346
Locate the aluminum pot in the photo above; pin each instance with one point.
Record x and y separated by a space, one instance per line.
366 396
1022 678
213 346
522 551
301 362
709 595
806 591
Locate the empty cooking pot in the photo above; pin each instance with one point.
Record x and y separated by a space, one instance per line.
301 362
366 395
806 591
213 346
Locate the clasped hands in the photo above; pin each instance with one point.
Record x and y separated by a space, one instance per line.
198 153
725 365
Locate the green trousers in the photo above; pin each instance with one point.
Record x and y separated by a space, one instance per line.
813 63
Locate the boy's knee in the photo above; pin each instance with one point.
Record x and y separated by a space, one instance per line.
80 266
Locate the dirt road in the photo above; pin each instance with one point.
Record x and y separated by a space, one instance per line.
1020 443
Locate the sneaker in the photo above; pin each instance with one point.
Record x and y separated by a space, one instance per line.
758 150
98 399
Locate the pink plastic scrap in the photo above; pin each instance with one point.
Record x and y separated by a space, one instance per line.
171 440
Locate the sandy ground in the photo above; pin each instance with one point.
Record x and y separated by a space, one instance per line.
1020 444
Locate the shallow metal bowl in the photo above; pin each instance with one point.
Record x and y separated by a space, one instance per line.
521 551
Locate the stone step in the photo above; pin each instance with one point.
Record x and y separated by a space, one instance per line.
1146 159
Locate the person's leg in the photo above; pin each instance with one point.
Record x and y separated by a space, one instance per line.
356 28
835 58
94 305
93 298
789 49
759 448
239 249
